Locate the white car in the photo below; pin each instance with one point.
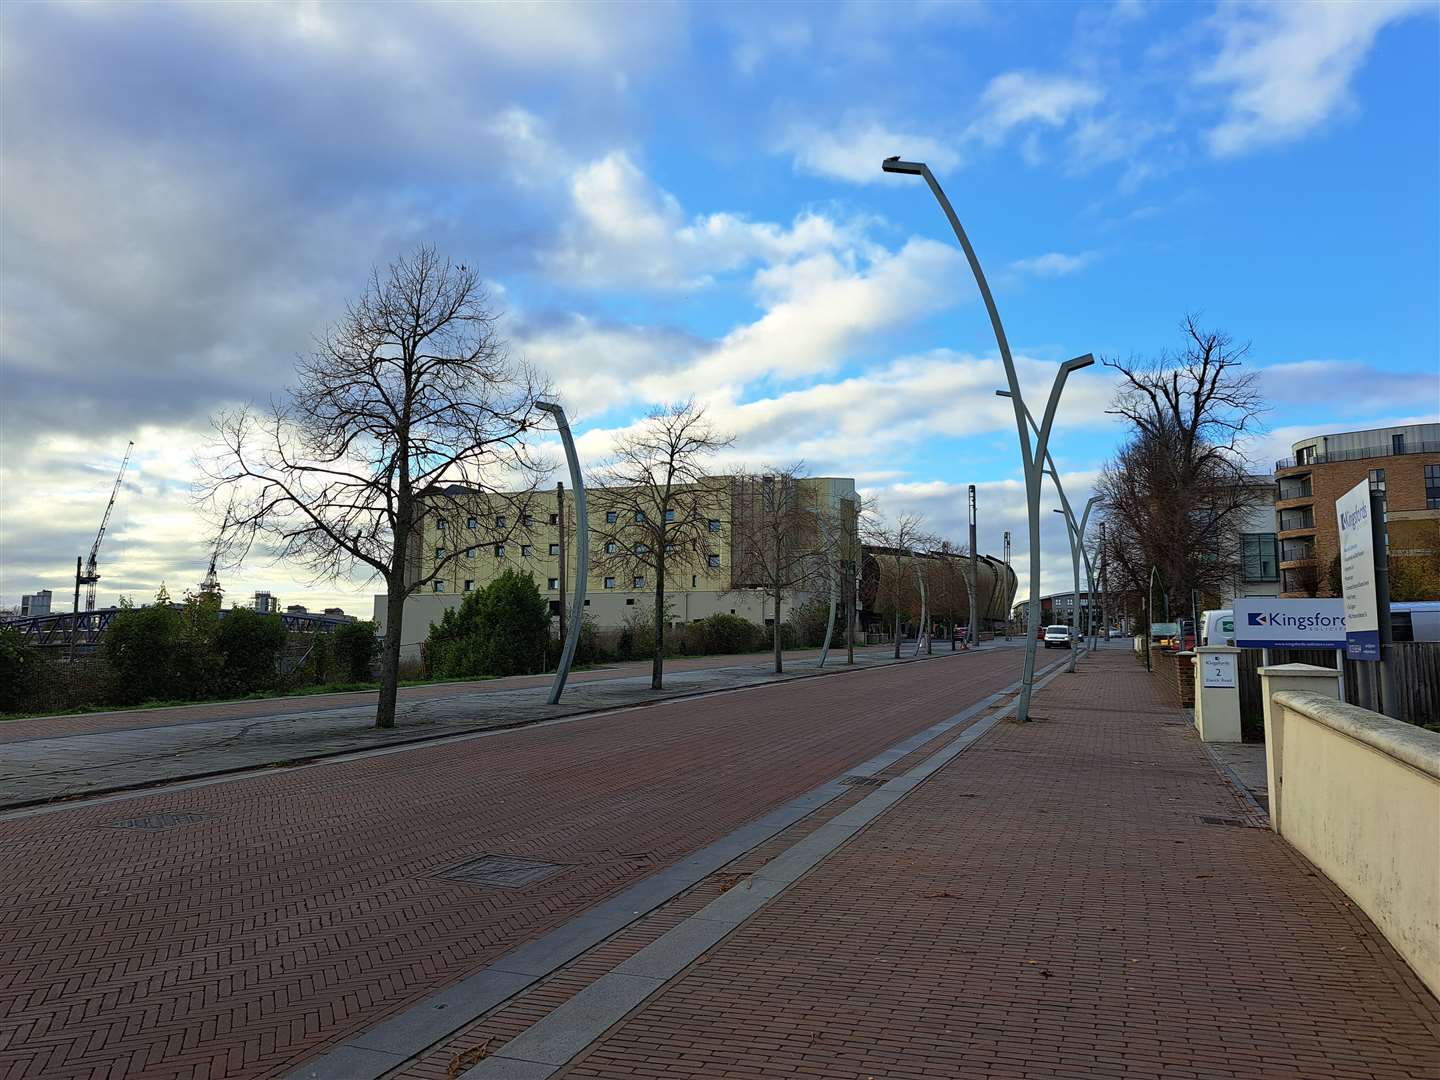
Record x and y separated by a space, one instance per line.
1057 637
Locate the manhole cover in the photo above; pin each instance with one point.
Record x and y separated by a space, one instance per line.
863 781
157 822
1223 821
501 871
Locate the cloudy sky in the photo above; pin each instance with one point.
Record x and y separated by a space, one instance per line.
671 200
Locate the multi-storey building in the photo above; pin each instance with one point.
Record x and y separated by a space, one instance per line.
533 532
1402 464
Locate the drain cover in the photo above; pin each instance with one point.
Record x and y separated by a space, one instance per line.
863 781
501 871
157 822
1222 821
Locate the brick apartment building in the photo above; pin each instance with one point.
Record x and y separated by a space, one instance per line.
1401 463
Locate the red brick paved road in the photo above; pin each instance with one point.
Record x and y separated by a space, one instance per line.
46 727
300 908
1049 905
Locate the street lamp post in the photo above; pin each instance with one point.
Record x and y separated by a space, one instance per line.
1005 586
582 551
1030 455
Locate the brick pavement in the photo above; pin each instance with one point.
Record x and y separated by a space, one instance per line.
1050 904
299 907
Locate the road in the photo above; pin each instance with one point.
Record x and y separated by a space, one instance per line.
240 927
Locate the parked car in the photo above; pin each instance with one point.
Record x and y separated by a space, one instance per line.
1057 636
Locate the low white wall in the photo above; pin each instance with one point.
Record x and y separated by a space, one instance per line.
1358 794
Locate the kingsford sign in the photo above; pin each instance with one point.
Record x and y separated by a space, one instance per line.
1266 623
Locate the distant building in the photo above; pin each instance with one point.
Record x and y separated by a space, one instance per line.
266 603
339 613
297 609
32 604
1402 465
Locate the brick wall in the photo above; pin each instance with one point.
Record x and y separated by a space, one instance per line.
1176 672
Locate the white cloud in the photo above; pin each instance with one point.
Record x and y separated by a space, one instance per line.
1287 67
1052 264
1018 98
853 149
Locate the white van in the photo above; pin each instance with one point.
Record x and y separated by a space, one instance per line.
1217 627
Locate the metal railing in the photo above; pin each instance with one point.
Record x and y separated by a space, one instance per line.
1361 452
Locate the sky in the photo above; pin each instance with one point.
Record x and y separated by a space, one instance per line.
670 200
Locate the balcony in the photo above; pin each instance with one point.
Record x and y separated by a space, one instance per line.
1359 454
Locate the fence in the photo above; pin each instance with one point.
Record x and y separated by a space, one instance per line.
1413 668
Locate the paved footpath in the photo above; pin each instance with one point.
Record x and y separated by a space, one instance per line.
241 927
49 758
1083 896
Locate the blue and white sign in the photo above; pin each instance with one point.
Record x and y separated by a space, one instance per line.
1263 622
1357 572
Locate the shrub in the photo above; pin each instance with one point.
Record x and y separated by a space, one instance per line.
806 624
722 633
22 672
502 629
355 647
248 645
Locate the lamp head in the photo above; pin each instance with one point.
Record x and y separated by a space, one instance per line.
550 407
1079 362
1003 393
895 165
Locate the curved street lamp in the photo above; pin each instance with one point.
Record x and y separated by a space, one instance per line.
1030 455
582 553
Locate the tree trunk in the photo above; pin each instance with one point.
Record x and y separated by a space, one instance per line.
897 634
779 667
390 656
657 668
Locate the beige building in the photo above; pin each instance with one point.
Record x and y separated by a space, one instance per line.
534 532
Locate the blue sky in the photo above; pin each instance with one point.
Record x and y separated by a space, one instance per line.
673 200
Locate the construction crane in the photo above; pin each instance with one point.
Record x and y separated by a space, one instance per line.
211 585
89 575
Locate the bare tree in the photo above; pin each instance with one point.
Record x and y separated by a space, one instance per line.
894 544
410 393
779 541
660 513
1176 493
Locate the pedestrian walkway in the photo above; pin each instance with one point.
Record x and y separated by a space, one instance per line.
1081 896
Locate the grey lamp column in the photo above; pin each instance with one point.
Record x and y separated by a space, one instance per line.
1030 456
582 551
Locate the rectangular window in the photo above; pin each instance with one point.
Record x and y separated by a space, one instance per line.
1377 482
695 583
1259 560
640 517
639 582
611 517
631 601
554 549
1432 487
1305 455
641 549
526 520
1397 442
469 553
499 551
714 525
441 524
525 551
1295 487
1295 550
470 523
439 554
469 585
1298 517
611 547
499 521
609 582
552 583
554 519
713 560
669 515
439 586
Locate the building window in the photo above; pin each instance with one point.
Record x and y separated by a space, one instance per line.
611 517
641 549
439 586
554 519
470 523
611 547
712 560
439 554
1297 517
630 600
1305 455
554 549
609 582
469 553
1397 442
640 517
1432 487
1295 550
714 524
526 520
669 515
694 581
1258 558
526 551
1295 487
553 584
499 551
441 524
1377 482
499 521
639 582
469 585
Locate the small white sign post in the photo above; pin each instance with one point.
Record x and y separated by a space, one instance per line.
1217 670
1217 694
1357 573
